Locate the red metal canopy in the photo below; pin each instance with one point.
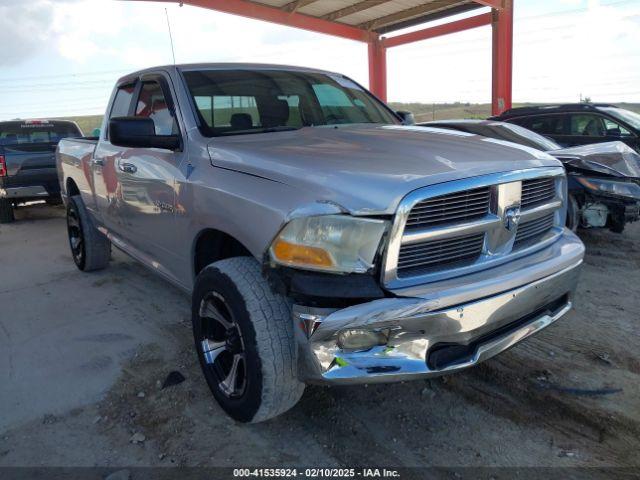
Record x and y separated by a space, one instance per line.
370 20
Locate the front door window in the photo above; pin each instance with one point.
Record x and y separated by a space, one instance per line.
152 104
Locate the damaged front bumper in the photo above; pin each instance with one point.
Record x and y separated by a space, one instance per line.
601 210
606 202
441 328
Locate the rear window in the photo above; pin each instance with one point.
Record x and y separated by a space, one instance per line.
225 110
17 133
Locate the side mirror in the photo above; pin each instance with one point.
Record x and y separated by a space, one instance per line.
139 132
614 132
407 117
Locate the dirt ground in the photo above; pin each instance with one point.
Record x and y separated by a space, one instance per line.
83 358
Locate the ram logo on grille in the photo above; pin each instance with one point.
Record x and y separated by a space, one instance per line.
512 218
442 230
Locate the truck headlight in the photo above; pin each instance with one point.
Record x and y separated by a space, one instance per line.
609 187
332 243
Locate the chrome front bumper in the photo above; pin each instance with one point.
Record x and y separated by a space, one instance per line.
470 319
23 192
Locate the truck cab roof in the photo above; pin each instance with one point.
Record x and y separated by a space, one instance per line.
183 67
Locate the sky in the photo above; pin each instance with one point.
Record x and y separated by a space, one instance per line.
62 57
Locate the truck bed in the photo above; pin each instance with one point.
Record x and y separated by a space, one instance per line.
73 159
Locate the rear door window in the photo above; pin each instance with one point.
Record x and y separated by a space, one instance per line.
122 102
153 104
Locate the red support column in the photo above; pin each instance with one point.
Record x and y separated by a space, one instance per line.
502 58
378 68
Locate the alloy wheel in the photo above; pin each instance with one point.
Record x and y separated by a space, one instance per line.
222 346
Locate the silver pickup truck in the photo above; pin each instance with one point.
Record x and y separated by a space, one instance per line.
321 239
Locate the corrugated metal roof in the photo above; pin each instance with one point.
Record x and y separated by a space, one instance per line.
376 15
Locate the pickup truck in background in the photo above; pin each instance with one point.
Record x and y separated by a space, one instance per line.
27 161
321 240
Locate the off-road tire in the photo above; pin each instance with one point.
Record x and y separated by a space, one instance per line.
573 214
6 211
95 251
264 321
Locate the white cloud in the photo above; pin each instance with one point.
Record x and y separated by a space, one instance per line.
592 50
25 28
87 28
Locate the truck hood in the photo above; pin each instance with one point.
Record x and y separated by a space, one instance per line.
612 158
369 168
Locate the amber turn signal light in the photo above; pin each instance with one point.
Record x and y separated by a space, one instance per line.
286 252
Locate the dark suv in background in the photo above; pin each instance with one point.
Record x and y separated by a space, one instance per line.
578 124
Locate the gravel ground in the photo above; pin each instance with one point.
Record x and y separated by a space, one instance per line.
83 358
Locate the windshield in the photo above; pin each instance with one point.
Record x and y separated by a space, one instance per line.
235 102
627 116
36 131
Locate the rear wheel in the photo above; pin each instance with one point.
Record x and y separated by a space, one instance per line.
244 338
90 249
6 211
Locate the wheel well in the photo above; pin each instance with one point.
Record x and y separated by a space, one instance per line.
214 245
72 188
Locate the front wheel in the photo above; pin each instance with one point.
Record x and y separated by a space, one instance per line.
6 211
244 338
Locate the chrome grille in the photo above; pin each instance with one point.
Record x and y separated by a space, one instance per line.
463 226
533 230
453 208
537 191
436 254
